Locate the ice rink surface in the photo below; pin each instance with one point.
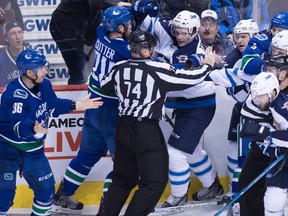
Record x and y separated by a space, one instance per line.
209 210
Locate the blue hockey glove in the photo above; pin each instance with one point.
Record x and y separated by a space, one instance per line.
142 8
194 61
255 131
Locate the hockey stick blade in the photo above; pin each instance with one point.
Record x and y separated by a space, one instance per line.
179 209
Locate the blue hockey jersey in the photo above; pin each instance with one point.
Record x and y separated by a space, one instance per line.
8 68
254 54
107 53
21 107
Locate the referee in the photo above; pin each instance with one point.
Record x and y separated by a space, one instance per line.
141 156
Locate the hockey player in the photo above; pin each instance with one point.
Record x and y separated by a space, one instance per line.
194 110
258 48
266 97
256 162
98 132
141 155
243 32
26 105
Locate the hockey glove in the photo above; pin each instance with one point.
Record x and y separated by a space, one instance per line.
142 8
194 61
255 131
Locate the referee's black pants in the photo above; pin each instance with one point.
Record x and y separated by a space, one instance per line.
141 158
252 202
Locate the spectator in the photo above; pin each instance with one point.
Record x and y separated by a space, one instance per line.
14 36
170 8
230 12
73 25
26 105
208 32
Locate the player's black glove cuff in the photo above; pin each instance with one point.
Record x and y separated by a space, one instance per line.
255 131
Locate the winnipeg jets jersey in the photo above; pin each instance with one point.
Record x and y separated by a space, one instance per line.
21 107
200 95
107 53
278 112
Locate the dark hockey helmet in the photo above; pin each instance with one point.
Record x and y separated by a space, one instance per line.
280 20
30 59
276 63
115 16
141 39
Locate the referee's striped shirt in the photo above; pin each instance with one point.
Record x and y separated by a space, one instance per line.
141 85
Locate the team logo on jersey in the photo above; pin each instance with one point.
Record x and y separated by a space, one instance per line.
182 58
285 106
8 176
20 93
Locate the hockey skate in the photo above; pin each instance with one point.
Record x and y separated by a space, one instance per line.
175 201
214 190
228 196
65 204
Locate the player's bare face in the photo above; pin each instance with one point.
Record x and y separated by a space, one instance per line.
277 51
128 29
261 101
182 36
241 41
275 30
14 38
41 73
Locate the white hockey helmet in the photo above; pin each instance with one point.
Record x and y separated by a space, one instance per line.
280 41
187 19
248 26
265 83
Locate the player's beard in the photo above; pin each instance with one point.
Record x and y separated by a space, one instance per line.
264 107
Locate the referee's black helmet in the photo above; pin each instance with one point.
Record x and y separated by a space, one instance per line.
141 39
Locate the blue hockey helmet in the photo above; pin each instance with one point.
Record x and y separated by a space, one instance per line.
115 16
280 20
30 59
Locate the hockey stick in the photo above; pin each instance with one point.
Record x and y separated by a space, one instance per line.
178 209
251 184
169 120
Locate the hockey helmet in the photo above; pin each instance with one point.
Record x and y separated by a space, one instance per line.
141 39
265 83
187 19
280 20
115 16
276 63
280 41
30 59
248 26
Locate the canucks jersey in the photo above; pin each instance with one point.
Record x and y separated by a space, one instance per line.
21 107
107 53
8 68
254 53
